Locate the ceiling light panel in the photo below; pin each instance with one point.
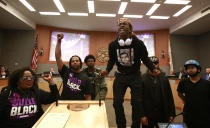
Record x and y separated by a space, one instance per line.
144 1
105 15
153 9
27 5
59 5
91 7
77 14
45 5
133 16
177 1
159 17
182 10
122 8
49 13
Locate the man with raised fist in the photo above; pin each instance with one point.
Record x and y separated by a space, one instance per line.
76 85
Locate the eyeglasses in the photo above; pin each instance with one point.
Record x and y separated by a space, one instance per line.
25 78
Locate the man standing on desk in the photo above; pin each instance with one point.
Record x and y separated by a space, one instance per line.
76 85
127 51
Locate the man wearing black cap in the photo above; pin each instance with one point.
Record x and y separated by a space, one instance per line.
158 100
127 51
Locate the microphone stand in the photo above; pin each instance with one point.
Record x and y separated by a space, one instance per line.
99 95
174 118
99 89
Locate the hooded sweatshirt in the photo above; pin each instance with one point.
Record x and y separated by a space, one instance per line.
20 109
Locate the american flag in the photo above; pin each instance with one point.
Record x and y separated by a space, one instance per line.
35 55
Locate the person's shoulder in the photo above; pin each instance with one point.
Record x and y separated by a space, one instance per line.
65 69
207 82
136 39
113 43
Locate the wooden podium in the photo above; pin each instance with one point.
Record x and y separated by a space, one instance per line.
74 114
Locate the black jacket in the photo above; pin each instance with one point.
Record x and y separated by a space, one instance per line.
22 110
137 52
166 93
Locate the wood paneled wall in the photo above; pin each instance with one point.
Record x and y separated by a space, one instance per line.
98 40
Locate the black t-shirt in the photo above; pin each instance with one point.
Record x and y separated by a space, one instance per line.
75 85
197 99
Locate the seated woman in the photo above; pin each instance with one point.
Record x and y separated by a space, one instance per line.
20 101
4 72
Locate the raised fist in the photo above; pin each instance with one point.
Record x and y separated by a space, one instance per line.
60 36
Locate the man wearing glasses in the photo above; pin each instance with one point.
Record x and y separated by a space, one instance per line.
158 100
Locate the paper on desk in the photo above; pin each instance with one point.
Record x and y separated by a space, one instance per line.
54 120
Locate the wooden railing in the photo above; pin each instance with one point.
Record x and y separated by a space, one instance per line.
44 85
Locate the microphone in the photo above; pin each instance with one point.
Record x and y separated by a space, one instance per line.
174 118
98 76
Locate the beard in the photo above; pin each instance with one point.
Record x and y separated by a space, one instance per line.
75 67
193 74
91 66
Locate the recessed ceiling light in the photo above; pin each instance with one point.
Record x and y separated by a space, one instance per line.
59 5
133 16
27 5
91 6
177 2
122 8
159 17
105 15
144 1
49 13
153 8
77 14
182 10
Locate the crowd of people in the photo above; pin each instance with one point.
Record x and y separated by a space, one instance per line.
151 96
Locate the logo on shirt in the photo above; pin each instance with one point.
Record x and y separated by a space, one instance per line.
74 83
22 107
125 56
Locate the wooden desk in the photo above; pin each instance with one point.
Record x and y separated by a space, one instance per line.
44 85
93 117
3 82
177 101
